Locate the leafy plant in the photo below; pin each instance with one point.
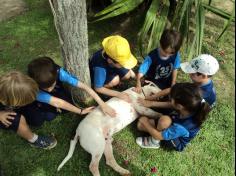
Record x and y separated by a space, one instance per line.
156 20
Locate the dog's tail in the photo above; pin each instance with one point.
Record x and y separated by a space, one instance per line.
70 153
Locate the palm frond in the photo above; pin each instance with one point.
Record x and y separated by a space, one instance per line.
228 23
149 20
154 23
118 8
218 11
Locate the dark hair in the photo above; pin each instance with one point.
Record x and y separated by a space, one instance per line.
44 71
171 38
208 76
188 95
108 57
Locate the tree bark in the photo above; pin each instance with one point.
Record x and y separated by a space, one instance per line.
70 20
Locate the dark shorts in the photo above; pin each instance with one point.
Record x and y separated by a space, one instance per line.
15 123
37 113
113 72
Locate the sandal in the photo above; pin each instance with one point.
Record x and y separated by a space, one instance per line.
148 142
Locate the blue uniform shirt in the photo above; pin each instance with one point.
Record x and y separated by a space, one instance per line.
101 72
159 71
181 131
63 76
208 93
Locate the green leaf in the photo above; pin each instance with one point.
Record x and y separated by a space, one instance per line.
218 12
118 8
228 23
149 20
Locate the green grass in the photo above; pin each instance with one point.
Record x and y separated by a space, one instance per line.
210 153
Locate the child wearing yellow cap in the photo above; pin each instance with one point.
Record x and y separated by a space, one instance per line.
160 65
110 65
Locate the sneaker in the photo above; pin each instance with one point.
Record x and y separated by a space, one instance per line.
45 142
148 142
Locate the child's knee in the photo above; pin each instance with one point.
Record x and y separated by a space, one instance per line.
114 82
127 76
139 125
164 122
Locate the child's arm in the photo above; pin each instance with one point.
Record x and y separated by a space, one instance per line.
141 72
113 93
150 129
73 81
138 87
156 96
5 116
157 104
105 108
62 104
174 77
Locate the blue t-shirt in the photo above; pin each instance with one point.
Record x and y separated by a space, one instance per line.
64 77
101 72
181 131
158 70
208 93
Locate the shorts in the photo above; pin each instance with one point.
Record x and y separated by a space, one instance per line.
37 112
15 123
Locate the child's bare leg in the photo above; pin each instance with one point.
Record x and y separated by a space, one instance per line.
24 130
142 128
164 122
114 82
43 142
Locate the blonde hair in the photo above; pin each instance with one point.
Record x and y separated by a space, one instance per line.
17 89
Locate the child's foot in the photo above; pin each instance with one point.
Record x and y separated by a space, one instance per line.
148 142
45 142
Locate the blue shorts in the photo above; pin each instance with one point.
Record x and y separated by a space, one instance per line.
15 123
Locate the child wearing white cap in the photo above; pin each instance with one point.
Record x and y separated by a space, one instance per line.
200 70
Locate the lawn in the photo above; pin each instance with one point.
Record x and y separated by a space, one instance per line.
32 34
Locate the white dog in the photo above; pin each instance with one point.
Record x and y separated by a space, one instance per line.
96 129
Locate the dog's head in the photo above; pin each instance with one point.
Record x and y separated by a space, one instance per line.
150 89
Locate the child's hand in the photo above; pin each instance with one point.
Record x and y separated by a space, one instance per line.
125 97
152 97
5 116
144 103
108 110
144 120
87 110
137 89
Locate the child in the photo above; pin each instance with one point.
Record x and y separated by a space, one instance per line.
52 98
112 64
161 64
191 112
200 70
16 90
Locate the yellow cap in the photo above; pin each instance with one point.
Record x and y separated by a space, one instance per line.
118 49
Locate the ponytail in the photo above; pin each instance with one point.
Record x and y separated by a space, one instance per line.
202 113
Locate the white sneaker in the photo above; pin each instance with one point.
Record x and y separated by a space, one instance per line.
148 142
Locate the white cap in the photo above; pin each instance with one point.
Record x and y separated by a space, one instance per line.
204 63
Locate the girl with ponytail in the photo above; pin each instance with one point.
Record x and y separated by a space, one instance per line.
178 128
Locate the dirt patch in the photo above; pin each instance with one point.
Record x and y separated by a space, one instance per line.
11 8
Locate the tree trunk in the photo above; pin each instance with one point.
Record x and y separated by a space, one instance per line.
71 24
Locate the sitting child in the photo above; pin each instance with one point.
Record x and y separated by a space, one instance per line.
17 90
161 64
53 99
110 65
191 112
